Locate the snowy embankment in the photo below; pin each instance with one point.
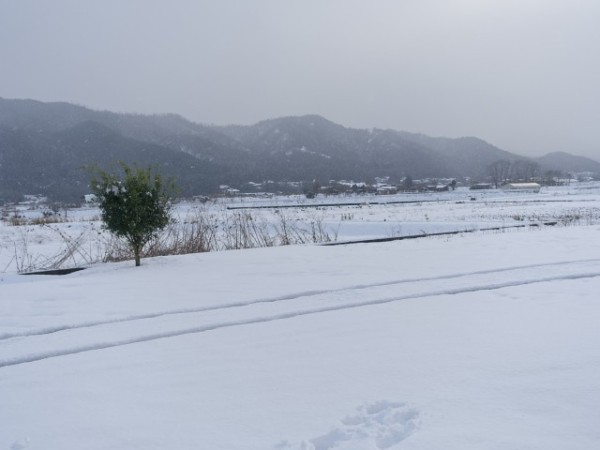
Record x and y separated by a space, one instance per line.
478 341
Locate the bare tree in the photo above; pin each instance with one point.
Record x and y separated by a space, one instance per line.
524 170
499 171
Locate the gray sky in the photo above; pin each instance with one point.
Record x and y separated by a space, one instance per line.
521 74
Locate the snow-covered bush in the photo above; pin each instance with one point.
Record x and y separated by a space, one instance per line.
135 204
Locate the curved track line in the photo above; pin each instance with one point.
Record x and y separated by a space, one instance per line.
294 296
286 315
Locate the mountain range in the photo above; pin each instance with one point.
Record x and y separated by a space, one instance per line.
46 147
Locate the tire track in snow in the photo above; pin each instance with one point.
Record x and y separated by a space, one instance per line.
30 358
294 296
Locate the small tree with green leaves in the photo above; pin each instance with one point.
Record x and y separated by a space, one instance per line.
134 204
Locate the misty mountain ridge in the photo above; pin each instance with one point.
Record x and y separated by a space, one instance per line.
573 162
44 146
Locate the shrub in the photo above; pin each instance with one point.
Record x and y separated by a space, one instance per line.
134 204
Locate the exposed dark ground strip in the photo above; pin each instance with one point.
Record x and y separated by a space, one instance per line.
55 271
400 202
441 233
319 205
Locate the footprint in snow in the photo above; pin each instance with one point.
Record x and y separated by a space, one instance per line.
375 426
20 444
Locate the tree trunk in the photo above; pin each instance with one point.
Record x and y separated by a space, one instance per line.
136 252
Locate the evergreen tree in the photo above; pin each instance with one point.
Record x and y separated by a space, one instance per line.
134 204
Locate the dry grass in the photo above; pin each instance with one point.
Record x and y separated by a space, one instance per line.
206 232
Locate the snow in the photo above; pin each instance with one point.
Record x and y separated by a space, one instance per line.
485 340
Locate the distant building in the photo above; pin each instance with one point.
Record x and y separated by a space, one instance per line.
90 198
386 190
231 192
521 187
480 186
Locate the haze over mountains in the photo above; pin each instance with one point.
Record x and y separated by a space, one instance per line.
44 148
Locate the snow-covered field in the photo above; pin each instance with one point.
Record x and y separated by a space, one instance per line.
79 240
485 340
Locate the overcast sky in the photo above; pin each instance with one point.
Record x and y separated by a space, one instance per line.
521 74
